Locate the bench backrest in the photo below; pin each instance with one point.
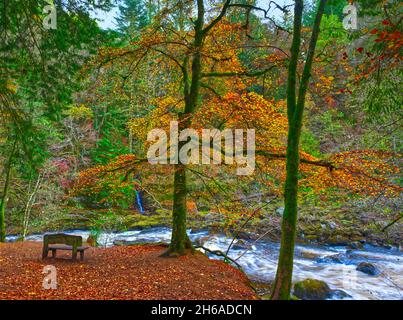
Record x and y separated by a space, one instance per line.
61 238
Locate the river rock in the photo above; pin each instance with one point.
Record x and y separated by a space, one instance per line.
262 289
340 294
201 241
312 289
355 245
122 242
335 258
246 235
368 268
240 245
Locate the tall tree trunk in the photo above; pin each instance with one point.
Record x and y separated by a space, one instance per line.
282 285
180 241
3 203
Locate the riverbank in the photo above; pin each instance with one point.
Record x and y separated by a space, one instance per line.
349 225
122 272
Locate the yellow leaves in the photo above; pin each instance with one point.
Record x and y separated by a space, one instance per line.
158 117
37 18
138 128
80 112
247 110
325 82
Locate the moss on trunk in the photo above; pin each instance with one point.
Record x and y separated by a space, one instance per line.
180 242
295 110
3 203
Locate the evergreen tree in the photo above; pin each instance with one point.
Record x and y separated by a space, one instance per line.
133 16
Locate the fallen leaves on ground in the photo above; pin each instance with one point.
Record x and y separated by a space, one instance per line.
131 272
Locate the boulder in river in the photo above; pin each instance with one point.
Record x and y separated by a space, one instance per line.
340 294
334 258
312 289
240 245
368 268
201 241
355 245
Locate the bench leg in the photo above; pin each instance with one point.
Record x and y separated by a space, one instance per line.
45 251
74 255
82 255
53 253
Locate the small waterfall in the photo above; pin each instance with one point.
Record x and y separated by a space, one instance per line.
139 201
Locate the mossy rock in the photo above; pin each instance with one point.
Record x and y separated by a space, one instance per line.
312 289
263 289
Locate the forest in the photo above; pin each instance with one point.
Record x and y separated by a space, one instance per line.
201 149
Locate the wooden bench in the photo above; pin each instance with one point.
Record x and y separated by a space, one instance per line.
61 241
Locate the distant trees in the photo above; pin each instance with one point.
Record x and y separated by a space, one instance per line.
37 79
134 15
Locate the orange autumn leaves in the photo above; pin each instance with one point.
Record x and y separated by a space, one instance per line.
249 111
224 103
364 172
107 183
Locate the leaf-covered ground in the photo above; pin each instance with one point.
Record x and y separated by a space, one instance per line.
134 272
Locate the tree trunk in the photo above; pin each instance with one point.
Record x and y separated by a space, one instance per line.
180 242
283 282
3 203
282 286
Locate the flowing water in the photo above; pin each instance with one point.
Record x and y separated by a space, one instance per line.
259 260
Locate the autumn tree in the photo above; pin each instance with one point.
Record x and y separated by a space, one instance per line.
191 52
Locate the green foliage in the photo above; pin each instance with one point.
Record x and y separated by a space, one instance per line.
331 30
104 223
310 143
331 124
381 96
80 112
333 7
133 17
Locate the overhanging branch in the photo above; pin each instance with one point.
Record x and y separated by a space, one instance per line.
236 74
